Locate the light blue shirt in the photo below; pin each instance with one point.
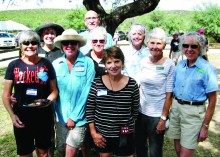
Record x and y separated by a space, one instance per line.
195 82
133 61
73 88
85 49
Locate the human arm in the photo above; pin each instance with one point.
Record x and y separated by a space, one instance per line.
136 101
79 111
161 125
7 103
98 139
54 90
212 98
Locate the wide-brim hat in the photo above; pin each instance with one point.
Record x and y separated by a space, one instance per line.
59 29
69 34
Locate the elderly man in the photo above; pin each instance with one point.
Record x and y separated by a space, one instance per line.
92 21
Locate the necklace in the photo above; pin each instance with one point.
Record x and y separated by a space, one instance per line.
116 82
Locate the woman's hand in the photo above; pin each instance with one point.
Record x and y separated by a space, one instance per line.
16 121
70 124
99 140
203 134
161 126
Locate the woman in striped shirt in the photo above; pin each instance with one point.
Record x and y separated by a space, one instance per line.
113 105
156 86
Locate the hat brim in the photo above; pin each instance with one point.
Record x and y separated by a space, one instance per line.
60 38
59 30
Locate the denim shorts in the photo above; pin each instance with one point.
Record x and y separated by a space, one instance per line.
72 137
185 123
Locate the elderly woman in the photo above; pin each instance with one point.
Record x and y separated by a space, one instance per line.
112 108
33 80
195 81
75 73
98 40
156 86
137 50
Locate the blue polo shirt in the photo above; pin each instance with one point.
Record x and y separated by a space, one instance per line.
195 82
73 88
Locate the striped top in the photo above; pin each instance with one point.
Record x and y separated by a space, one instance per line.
155 82
111 109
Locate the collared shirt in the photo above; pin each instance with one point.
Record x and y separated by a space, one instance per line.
132 61
51 55
195 82
85 49
73 88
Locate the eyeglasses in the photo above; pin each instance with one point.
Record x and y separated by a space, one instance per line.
69 42
33 43
91 18
102 41
192 46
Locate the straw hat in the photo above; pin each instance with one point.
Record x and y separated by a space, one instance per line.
69 34
59 30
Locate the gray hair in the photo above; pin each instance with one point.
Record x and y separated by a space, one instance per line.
199 38
98 30
28 35
157 33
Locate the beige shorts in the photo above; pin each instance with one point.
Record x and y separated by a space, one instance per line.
176 55
185 123
73 138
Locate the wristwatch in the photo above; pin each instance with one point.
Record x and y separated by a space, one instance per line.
163 118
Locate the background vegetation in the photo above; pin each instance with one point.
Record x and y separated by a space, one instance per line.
170 21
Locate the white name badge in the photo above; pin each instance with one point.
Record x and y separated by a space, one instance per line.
101 92
101 65
42 55
80 68
31 92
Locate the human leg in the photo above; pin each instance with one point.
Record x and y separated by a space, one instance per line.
155 140
61 134
74 140
141 136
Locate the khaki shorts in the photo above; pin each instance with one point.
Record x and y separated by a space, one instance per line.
185 123
73 138
176 55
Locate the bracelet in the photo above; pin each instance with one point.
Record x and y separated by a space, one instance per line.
206 125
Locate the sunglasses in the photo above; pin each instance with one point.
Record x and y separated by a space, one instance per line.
30 42
102 41
192 46
69 42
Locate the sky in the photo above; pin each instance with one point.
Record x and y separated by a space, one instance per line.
64 4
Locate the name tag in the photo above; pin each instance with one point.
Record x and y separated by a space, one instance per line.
101 92
159 68
80 68
101 65
31 92
42 55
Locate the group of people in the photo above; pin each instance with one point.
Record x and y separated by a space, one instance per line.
102 98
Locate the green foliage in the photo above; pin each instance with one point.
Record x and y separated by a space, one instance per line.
75 19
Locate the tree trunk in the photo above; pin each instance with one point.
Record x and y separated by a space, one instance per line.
116 17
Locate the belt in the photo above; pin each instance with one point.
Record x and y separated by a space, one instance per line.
182 102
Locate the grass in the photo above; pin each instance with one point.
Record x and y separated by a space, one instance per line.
209 148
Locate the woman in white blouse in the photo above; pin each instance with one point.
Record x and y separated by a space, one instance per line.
156 85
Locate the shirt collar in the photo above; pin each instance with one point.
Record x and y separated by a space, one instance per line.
198 63
137 52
